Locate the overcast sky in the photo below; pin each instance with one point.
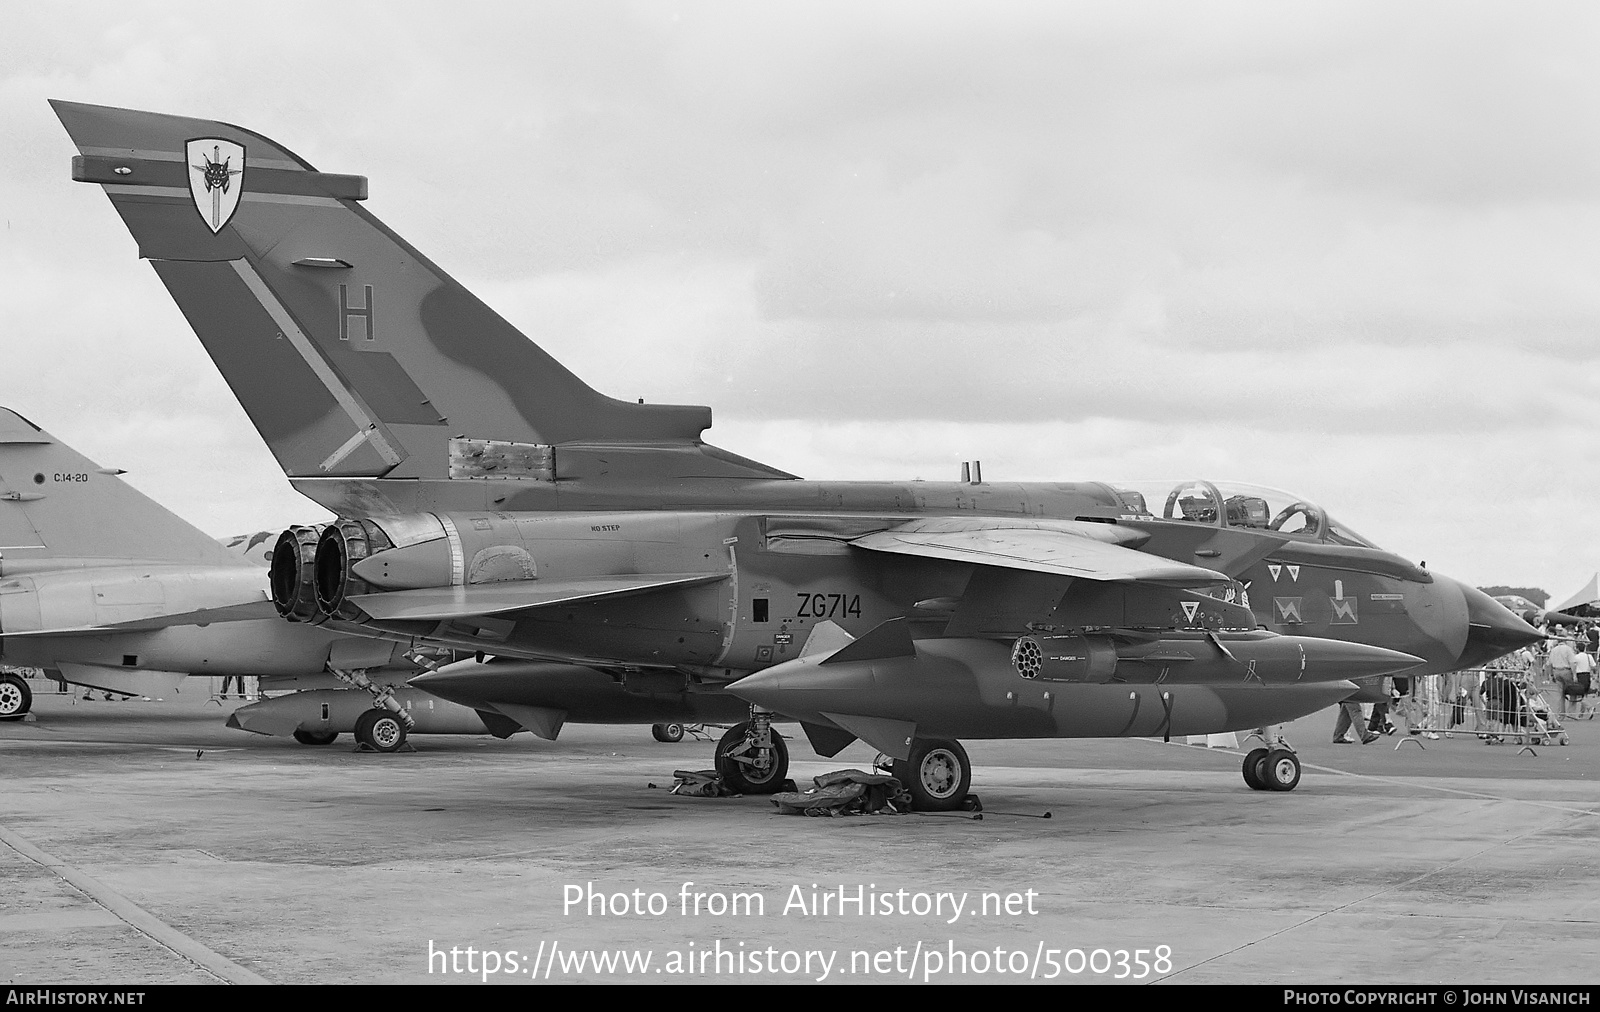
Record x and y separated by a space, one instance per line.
1349 250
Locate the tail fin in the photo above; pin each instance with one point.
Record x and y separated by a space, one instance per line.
351 352
55 503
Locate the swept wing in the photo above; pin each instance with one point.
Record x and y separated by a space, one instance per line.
1086 551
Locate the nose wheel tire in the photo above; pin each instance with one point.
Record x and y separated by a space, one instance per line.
667 732
937 773
381 730
315 737
1279 770
1252 769
16 699
746 769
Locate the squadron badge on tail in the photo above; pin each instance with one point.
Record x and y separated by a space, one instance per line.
215 168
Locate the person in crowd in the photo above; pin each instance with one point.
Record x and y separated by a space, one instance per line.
1422 706
1379 723
1583 679
1559 662
1350 718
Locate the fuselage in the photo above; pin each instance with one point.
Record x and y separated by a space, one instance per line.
92 619
784 547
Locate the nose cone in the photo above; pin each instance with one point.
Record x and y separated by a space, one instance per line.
777 687
277 717
803 686
467 683
1492 630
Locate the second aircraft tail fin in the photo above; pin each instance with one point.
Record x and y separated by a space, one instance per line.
56 504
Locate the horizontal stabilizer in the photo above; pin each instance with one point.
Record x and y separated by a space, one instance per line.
1077 550
442 603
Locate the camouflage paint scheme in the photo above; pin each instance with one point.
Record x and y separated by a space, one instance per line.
397 399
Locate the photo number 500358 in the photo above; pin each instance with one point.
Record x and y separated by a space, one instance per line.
829 605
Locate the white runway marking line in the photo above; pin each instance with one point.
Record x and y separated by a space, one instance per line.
22 743
1408 782
135 916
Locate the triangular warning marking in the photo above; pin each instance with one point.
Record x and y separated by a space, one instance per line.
1274 570
1190 608
1294 573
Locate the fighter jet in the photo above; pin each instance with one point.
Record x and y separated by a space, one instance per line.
491 501
105 589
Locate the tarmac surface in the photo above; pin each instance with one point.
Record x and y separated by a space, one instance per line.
147 843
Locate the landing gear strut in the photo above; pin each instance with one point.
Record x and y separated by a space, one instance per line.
752 758
937 773
382 728
16 699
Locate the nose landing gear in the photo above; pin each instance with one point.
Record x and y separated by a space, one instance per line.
1274 769
752 758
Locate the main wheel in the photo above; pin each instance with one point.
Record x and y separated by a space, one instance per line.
16 699
937 773
667 732
1252 769
381 730
1280 770
746 769
315 737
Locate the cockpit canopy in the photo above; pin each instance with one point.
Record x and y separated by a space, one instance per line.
1233 504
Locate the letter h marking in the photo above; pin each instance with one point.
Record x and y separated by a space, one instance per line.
346 310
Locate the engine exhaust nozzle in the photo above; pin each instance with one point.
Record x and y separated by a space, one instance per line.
343 544
292 575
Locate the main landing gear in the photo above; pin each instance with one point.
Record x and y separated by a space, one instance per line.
667 732
752 758
16 699
381 730
1274 769
937 773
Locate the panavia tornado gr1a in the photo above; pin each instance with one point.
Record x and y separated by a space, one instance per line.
608 565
